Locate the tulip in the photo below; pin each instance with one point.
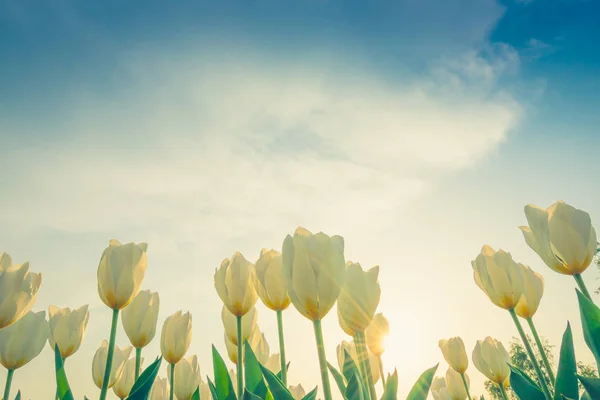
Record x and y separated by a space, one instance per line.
120 274
455 354
205 393
67 328
21 342
120 356
438 388
187 377
255 343
273 363
230 324
262 350
314 273
457 385
297 391
160 389
18 290
491 359
175 340
376 335
125 382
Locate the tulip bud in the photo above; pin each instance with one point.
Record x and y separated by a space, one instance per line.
230 324
205 393
19 289
533 289
455 385
351 349
120 355
439 390
314 271
187 377
274 363
297 391
125 382
23 340
67 328
359 297
235 281
491 359
499 277
140 317
377 333
121 272
269 280
562 236
161 389
455 354
176 336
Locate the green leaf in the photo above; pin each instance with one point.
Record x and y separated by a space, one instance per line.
278 389
62 383
354 390
196 395
591 385
142 386
391 387
349 369
287 368
223 385
213 389
420 390
250 396
524 386
311 395
339 379
18 396
252 373
566 381
590 320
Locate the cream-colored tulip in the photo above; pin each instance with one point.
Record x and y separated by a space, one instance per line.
232 350
18 290
230 324
176 336
491 359
344 325
499 276
350 347
23 340
233 377
455 385
438 388
455 354
161 389
297 391
377 333
256 343
67 328
205 393
187 377
314 271
274 363
359 297
120 356
121 272
562 236
123 385
533 289
140 317
235 281
261 349
269 280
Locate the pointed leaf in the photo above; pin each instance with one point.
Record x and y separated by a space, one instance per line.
590 320
223 385
142 386
566 381
354 390
18 396
213 389
253 374
339 379
62 383
391 387
278 374
250 396
277 388
350 369
591 385
524 386
196 395
420 389
311 395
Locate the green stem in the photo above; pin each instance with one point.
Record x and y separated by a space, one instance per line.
240 378
172 382
582 286
466 386
138 362
109 357
363 359
322 359
538 342
281 347
534 362
8 383
503 391
380 364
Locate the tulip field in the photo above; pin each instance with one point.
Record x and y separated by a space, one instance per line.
312 275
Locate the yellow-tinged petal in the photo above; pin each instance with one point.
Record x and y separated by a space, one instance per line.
455 354
176 336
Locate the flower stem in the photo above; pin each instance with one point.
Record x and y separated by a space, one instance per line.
534 362
109 357
380 364
538 342
503 391
466 386
8 383
322 359
365 365
138 361
240 378
172 389
582 286
281 347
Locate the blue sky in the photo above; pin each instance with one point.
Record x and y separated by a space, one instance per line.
416 130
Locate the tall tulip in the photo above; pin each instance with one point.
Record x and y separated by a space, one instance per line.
455 355
563 237
21 342
297 391
125 382
120 274
491 359
235 285
230 324
187 377
160 389
458 385
271 290
139 321
18 290
120 356
439 390
67 328
314 274
175 340
376 335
